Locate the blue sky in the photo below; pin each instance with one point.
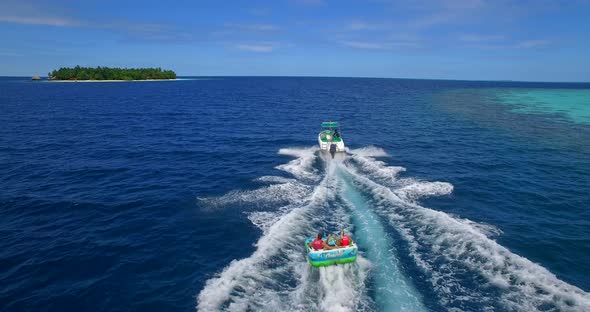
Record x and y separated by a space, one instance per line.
448 39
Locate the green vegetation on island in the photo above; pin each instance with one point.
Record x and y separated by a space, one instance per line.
110 73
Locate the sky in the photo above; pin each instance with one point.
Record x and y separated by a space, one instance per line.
524 40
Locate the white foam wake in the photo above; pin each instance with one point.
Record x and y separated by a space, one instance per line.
302 166
245 282
406 188
394 291
366 162
369 151
281 191
465 266
246 279
277 276
343 286
466 269
416 189
274 194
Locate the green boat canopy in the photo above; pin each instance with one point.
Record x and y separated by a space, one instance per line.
330 124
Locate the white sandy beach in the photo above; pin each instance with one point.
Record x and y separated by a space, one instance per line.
177 79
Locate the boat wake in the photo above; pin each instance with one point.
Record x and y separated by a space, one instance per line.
276 276
411 258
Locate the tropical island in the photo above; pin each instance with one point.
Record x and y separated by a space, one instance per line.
110 73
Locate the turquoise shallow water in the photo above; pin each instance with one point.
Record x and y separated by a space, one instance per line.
571 104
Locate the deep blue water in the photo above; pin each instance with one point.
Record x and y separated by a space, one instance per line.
138 196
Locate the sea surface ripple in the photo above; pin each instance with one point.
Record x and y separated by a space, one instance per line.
197 194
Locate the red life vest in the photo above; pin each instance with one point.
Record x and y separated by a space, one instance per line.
318 244
345 240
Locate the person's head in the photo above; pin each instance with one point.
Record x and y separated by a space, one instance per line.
319 236
342 233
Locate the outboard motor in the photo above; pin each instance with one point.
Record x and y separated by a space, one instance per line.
333 149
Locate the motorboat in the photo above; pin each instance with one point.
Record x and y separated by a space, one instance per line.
330 138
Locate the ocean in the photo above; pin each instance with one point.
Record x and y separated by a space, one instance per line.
198 194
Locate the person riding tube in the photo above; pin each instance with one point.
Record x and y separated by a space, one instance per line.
332 240
319 244
344 239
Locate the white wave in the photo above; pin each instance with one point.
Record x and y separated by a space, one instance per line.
464 266
406 188
259 281
487 229
454 252
394 291
288 192
246 273
274 179
264 219
336 288
252 280
364 158
302 166
417 189
340 286
240 285
369 151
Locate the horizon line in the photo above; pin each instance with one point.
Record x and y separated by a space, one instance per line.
355 77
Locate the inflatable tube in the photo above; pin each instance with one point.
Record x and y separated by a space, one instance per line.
326 257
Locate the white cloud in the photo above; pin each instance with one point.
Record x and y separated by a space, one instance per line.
533 43
260 11
144 31
147 31
31 13
310 2
253 27
433 20
463 4
500 42
39 20
443 12
480 38
8 53
259 48
443 4
364 45
359 25
390 43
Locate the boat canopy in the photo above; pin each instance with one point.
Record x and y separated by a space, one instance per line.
330 124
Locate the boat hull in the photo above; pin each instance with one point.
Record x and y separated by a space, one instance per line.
318 258
325 145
